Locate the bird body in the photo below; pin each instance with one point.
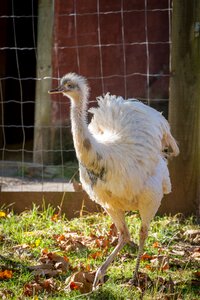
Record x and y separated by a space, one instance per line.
123 165
128 139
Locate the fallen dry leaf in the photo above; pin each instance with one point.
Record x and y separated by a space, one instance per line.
81 267
41 271
55 217
197 274
193 235
60 237
35 287
149 267
23 250
160 262
195 282
75 285
6 274
186 251
156 262
2 238
21 247
95 255
71 241
146 256
31 289
82 281
44 251
6 294
156 245
178 252
142 282
113 230
127 256
49 284
178 263
196 255
164 285
52 264
102 242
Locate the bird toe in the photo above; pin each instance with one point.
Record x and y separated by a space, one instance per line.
99 279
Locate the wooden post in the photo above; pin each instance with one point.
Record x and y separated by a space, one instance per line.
42 135
3 11
184 108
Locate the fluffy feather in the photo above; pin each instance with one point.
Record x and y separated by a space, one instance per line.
123 162
129 136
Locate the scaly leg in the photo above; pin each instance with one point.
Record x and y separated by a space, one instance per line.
118 218
143 236
148 207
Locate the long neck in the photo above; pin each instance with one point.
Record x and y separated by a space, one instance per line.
83 140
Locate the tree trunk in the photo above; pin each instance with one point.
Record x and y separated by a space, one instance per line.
184 108
42 134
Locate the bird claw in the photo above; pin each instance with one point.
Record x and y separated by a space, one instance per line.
140 279
134 281
99 279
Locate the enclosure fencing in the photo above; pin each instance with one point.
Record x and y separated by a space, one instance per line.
129 55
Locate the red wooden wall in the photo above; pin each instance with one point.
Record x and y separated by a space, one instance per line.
121 46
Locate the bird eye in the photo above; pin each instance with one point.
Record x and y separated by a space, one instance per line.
70 86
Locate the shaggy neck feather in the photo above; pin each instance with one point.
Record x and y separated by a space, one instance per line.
83 141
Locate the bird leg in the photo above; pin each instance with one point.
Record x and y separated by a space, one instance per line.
102 270
147 208
143 236
124 237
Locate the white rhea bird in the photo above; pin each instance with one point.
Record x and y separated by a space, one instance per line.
122 158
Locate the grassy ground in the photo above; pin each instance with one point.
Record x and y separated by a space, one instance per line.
45 256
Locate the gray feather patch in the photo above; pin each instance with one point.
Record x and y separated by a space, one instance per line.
94 176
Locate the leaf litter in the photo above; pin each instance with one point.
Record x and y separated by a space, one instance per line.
39 285
52 264
73 241
81 281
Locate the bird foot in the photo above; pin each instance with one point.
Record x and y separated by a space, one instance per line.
99 279
141 279
134 281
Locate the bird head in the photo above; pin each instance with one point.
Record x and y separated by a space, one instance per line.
73 86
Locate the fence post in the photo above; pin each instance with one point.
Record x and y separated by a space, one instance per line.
184 108
42 136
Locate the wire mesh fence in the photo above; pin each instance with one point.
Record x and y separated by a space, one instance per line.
121 46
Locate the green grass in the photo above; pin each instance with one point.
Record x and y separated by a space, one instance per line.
23 238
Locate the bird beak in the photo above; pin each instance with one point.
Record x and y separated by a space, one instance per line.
57 90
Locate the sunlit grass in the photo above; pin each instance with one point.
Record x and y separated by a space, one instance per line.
37 229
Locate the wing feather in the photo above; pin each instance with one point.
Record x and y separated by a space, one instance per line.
131 137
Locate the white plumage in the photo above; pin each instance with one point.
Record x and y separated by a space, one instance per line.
123 165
